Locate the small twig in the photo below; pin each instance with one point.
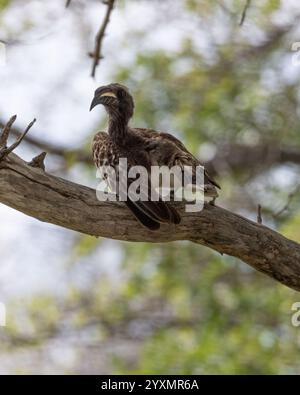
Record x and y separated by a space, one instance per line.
259 216
68 3
20 139
6 131
96 55
38 161
244 13
4 150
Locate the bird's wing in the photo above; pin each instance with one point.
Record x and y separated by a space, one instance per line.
156 136
171 151
149 213
145 208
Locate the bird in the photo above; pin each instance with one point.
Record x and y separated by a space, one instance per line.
141 147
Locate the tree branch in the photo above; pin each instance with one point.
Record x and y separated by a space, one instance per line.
247 4
237 157
50 199
97 55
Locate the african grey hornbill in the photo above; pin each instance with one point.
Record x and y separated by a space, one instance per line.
143 147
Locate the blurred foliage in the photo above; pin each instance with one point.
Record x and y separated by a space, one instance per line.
4 3
291 228
186 308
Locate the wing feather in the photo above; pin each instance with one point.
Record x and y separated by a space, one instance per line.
149 213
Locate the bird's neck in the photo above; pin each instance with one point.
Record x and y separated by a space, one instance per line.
117 127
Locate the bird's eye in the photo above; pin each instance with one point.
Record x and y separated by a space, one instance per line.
121 94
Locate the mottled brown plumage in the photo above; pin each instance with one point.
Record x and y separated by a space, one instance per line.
143 147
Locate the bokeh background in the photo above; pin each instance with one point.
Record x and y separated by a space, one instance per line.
77 304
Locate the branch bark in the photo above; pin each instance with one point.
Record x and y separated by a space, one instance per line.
32 191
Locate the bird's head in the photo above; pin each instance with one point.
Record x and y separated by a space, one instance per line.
116 99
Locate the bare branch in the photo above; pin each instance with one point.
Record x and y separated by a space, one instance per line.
6 131
4 151
72 206
68 2
244 12
97 54
20 139
237 157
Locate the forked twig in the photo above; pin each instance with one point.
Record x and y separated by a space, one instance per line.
4 150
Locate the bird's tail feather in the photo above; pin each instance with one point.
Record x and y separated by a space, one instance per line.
151 214
142 217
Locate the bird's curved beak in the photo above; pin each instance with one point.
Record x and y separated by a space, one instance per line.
96 100
100 99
